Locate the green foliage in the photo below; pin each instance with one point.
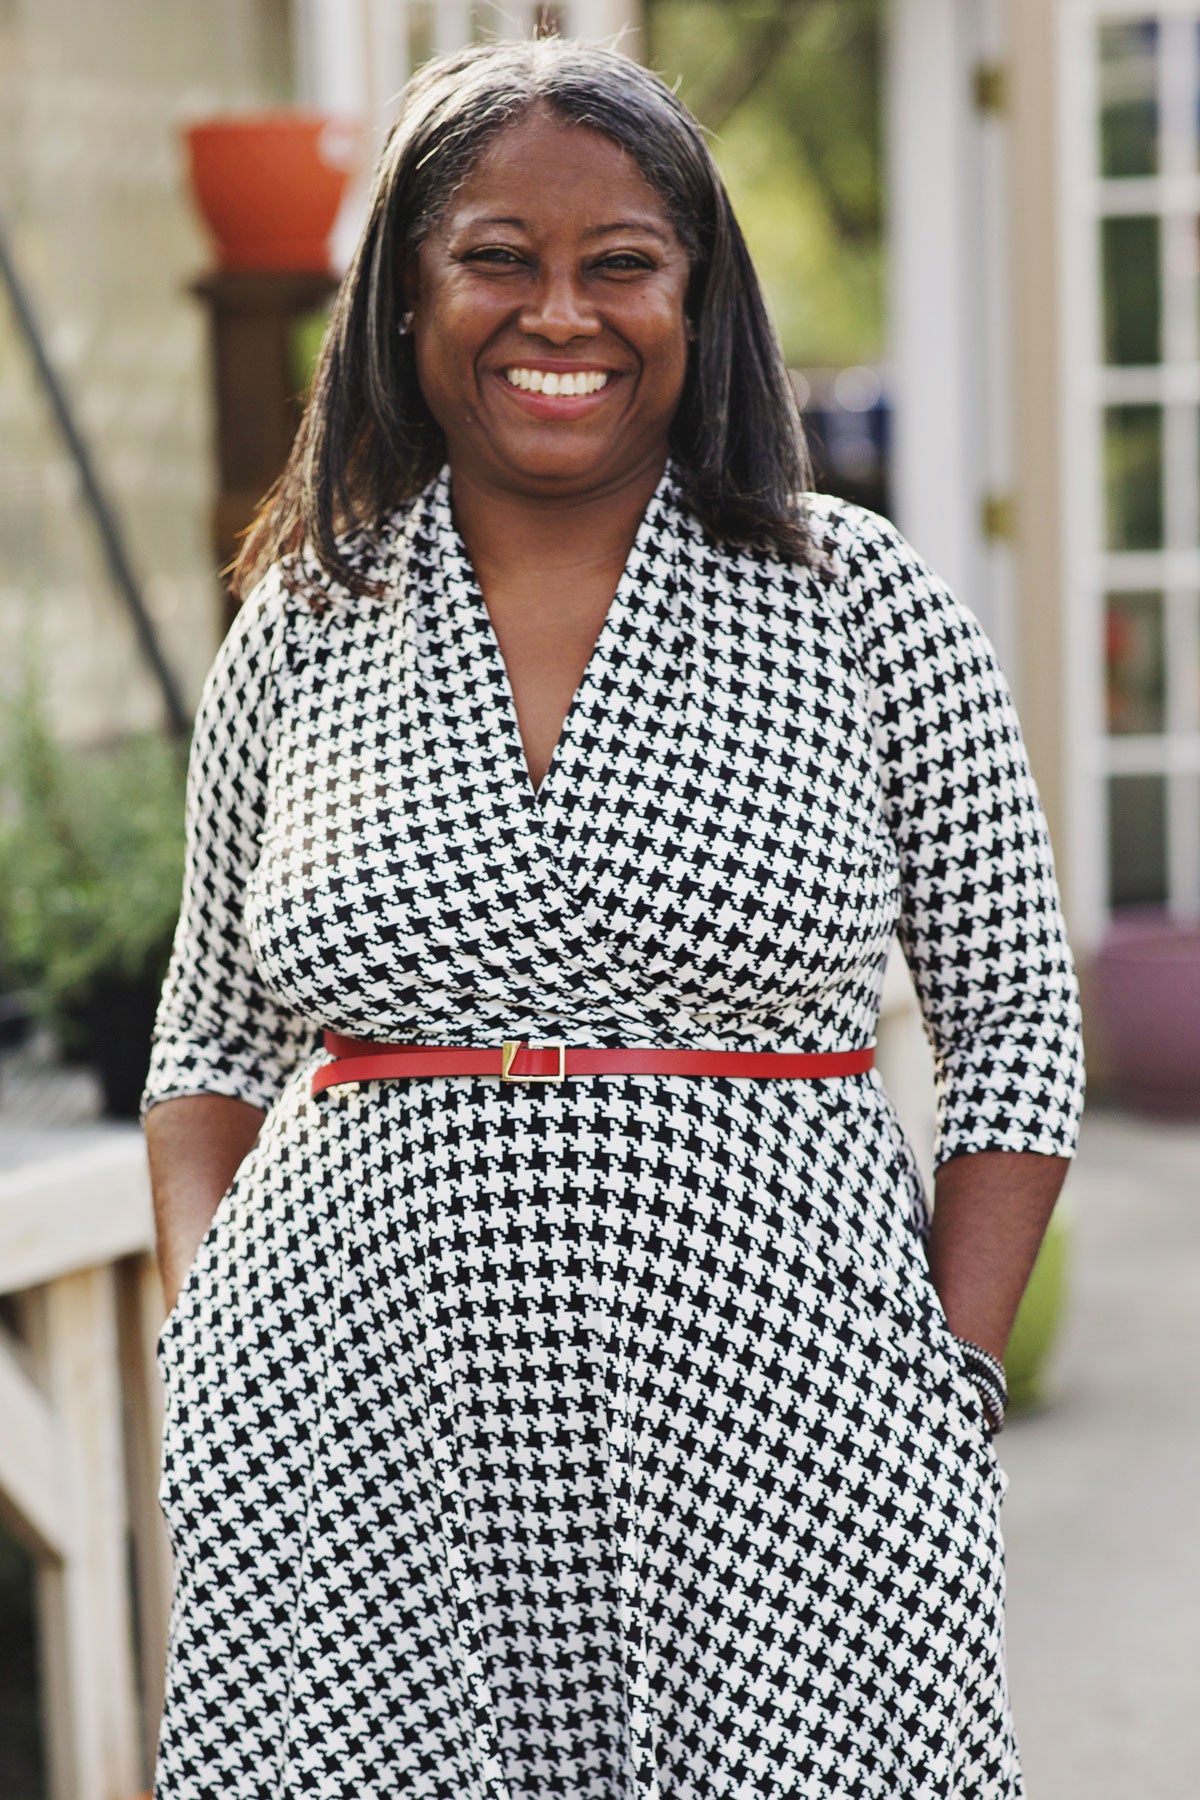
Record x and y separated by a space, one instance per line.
91 861
304 346
791 93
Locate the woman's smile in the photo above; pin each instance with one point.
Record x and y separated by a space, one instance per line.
554 382
558 391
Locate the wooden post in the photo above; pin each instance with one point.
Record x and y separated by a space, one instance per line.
256 395
81 1409
88 1687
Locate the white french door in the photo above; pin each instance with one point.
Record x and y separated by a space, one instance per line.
1130 191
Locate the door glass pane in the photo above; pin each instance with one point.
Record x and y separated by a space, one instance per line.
1137 840
1136 684
1132 290
1128 98
1133 457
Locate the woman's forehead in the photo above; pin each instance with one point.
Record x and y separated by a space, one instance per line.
540 156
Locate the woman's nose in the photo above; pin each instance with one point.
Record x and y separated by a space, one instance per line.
559 310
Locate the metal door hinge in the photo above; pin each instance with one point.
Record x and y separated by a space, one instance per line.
990 87
998 518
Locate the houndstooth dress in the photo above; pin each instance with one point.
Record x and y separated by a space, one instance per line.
604 1441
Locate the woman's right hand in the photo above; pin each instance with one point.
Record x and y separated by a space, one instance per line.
195 1145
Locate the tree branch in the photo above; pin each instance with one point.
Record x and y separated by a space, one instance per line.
740 77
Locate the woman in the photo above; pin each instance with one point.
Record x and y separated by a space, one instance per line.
607 1434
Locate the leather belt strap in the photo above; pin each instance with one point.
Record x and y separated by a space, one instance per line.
361 1059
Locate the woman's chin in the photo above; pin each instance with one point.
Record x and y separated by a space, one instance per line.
556 460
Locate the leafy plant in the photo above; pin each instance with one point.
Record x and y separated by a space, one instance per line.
91 862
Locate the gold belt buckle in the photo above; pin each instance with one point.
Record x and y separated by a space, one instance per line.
508 1056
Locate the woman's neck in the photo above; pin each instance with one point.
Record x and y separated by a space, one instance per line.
515 542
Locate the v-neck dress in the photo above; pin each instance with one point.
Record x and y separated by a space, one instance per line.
603 1441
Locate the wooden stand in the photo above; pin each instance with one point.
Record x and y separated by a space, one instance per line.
256 404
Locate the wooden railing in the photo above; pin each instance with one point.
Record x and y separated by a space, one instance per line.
80 1433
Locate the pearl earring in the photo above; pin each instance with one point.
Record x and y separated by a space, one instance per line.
405 325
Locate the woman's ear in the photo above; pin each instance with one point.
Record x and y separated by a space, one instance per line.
409 282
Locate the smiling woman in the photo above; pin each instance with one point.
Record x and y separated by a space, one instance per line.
567 1392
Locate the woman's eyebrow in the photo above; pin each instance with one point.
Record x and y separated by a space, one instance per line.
628 225
645 225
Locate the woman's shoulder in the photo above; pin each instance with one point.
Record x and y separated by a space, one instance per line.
850 536
844 542
862 578
300 584
893 602
879 571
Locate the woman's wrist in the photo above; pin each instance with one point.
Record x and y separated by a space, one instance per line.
987 1372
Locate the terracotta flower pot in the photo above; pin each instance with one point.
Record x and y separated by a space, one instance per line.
1147 995
270 185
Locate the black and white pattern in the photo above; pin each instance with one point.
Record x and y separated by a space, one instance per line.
604 1441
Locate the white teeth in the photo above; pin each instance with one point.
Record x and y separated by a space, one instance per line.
547 381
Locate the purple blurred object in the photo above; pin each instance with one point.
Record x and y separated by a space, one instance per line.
1147 990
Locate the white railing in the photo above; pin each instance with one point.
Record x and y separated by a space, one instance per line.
80 1435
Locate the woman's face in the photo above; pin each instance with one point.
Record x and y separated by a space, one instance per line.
548 315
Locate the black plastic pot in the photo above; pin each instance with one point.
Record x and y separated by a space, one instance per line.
15 1020
117 1020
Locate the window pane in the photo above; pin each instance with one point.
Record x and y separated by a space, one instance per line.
1137 840
1128 99
1132 290
1133 456
1135 664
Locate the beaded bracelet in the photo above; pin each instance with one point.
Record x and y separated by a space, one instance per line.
987 1372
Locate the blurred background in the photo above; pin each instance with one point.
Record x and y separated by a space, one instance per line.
978 224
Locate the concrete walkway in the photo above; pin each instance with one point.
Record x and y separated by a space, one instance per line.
1102 1518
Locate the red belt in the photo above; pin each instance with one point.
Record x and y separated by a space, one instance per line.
359 1059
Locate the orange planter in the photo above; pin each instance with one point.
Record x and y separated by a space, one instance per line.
269 185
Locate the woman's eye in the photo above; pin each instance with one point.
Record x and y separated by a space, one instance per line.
493 253
623 260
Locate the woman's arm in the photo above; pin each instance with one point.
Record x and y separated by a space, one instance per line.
219 1030
990 1213
981 926
195 1145
223 1043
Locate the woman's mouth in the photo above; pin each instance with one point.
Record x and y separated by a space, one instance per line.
555 383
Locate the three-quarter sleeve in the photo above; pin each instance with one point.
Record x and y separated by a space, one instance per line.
981 921
219 1028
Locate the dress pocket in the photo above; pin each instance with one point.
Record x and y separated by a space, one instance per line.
945 1373
186 1297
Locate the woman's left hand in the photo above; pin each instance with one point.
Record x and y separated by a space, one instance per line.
991 1209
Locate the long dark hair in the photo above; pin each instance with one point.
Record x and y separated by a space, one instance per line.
368 441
